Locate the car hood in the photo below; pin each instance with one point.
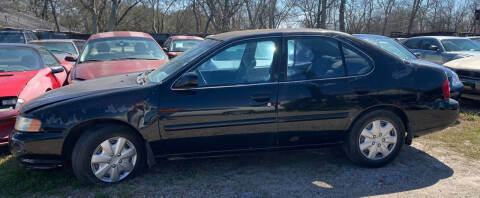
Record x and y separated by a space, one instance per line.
85 88
91 70
470 63
13 82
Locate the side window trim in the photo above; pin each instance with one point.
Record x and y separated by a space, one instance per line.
275 63
362 54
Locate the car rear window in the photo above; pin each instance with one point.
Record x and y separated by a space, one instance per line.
121 48
12 37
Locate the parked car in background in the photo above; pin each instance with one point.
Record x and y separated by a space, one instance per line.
238 91
393 47
62 46
441 49
111 53
475 38
469 71
175 45
10 35
43 34
26 72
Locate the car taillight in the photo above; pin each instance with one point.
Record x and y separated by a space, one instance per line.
446 89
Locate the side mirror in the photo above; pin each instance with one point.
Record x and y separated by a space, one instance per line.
434 48
418 55
57 69
70 59
165 49
188 80
171 55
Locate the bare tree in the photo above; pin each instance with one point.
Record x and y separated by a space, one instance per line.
341 15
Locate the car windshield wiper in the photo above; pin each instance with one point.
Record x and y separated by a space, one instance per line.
91 60
135 58
54 50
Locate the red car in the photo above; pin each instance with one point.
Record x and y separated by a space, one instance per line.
112 53
175 45
26 71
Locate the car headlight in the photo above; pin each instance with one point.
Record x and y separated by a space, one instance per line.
19 103
27 124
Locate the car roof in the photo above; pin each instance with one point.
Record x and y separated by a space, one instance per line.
439 37
54 40
12 31
272 32
20 45
186 37
119 34
373 36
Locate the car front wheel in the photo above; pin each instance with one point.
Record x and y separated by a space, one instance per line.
375 139
108 154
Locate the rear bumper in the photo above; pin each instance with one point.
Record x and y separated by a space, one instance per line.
425 119
7 122
37 150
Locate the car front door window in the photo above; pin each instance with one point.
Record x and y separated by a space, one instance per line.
243 63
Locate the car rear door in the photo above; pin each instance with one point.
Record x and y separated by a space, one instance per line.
233 108
325 83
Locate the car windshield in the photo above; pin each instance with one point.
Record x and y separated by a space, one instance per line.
59 47
79 44
11 37
14 59
181 45
460 45
121 48
180 61
391 46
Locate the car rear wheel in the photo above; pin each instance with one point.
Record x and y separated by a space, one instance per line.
375 139
108 154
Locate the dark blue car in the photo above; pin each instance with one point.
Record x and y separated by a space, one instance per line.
393 47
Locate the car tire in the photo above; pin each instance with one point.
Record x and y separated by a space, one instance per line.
93 144
371 143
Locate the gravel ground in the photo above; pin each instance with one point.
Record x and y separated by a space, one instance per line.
425 169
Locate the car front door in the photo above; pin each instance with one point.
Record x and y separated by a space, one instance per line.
429 52
234 105
325 83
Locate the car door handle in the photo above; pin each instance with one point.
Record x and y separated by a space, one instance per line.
261 98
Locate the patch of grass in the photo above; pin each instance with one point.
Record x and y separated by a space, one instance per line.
16 181
465 136
101 195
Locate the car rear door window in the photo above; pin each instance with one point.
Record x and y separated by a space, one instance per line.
314 58
356 63
243 63
412 43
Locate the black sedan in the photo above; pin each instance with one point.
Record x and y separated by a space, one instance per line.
238 91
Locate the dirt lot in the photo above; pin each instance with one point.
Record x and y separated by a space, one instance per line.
434 166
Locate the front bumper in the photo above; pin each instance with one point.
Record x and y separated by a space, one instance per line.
7 122
425 119
471 88
37 150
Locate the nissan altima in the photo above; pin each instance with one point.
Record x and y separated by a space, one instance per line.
236 92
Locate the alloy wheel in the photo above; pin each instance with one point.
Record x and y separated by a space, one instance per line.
378 139
114 159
